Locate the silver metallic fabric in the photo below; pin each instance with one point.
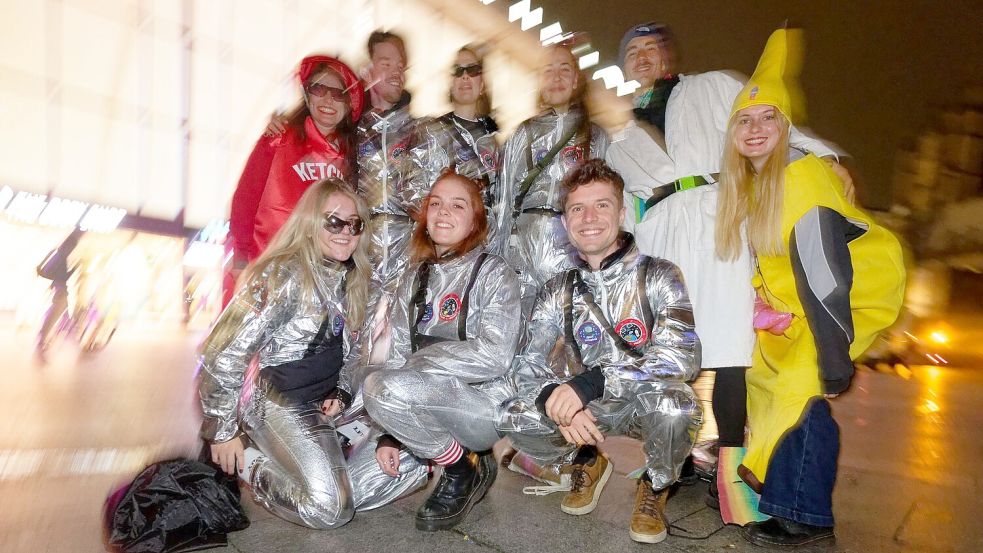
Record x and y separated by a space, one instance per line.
275 325
646 397
303 476
468 146
539 248
450 390
385 168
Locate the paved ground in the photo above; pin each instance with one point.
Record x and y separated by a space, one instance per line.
75 427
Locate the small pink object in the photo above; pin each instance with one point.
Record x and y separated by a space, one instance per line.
769 319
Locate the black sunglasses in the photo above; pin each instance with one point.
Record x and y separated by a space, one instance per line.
335 225
320 89
472 70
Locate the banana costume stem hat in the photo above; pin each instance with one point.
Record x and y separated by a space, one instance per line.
775 81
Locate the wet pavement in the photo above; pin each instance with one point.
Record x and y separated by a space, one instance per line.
76 427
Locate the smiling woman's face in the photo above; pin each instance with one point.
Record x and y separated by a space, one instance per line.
450 215
338 246
756 133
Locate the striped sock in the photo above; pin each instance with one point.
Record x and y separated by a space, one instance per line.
450 456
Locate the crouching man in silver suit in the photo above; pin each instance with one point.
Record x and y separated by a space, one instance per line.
298 312
608 350
455 325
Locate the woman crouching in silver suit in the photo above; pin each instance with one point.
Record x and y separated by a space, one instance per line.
297 313
455 325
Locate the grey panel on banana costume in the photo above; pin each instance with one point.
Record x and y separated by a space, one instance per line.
385 168
538 248
436 387
304 478
645 396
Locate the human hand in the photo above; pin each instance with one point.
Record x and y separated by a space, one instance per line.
387 455
228 455
331 407
276 126
563 404
582 429
849 189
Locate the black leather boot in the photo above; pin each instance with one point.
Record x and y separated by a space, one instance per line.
777 531
461 486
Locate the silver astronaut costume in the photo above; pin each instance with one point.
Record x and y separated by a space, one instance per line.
436 387
468 146
304 477
384 180
538 247
646 395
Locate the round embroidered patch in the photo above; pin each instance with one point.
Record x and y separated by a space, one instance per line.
337 325
572 156
633 331
450 306
427 312
589 333
397 150
488 160
365 149
465 154
539 155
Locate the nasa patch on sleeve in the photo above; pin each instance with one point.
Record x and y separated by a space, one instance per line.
632 331
589 333
427 312
450 306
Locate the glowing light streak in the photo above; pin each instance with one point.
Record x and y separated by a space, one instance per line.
549 32
590 60
101 218
62 213
26 207
6 194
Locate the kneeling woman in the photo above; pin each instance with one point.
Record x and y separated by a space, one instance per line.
297 312
455 325
831 266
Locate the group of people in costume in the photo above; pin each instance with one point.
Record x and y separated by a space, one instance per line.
409 293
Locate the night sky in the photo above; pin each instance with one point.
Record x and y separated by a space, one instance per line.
875 73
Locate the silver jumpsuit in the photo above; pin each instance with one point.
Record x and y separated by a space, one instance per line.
468 146
538 247
385 169
448 388
304 477
645 394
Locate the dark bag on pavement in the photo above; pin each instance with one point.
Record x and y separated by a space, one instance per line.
174 506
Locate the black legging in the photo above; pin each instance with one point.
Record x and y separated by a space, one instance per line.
730 405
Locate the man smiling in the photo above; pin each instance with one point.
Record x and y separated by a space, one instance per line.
624 324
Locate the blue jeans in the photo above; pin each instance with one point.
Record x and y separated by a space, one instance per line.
802 470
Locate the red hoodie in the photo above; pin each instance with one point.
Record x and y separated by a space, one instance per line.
276 175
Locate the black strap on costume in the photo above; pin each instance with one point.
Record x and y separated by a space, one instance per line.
534 171
419 340
322 331
462 319
419 303
572 281
642 288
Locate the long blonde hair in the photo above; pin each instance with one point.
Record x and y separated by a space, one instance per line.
297 242
751 199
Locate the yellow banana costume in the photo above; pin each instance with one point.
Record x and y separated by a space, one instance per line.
786 372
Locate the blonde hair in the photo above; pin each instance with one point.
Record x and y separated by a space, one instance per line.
297 243
749 201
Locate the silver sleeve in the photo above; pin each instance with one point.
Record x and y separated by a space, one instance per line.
240 332
514 167
532 368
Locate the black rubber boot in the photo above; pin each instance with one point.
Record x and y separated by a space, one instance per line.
461 486
713 494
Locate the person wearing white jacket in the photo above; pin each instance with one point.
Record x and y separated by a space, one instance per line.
675 144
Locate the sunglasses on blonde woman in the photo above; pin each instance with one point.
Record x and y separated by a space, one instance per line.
472 70
335 225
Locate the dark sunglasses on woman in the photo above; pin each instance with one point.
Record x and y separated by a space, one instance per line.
320 89
472 70
335 225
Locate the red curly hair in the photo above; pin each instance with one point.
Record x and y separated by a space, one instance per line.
422 247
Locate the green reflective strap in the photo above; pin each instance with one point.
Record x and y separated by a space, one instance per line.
639 208
686 183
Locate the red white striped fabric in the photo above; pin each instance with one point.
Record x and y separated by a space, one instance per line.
450 456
